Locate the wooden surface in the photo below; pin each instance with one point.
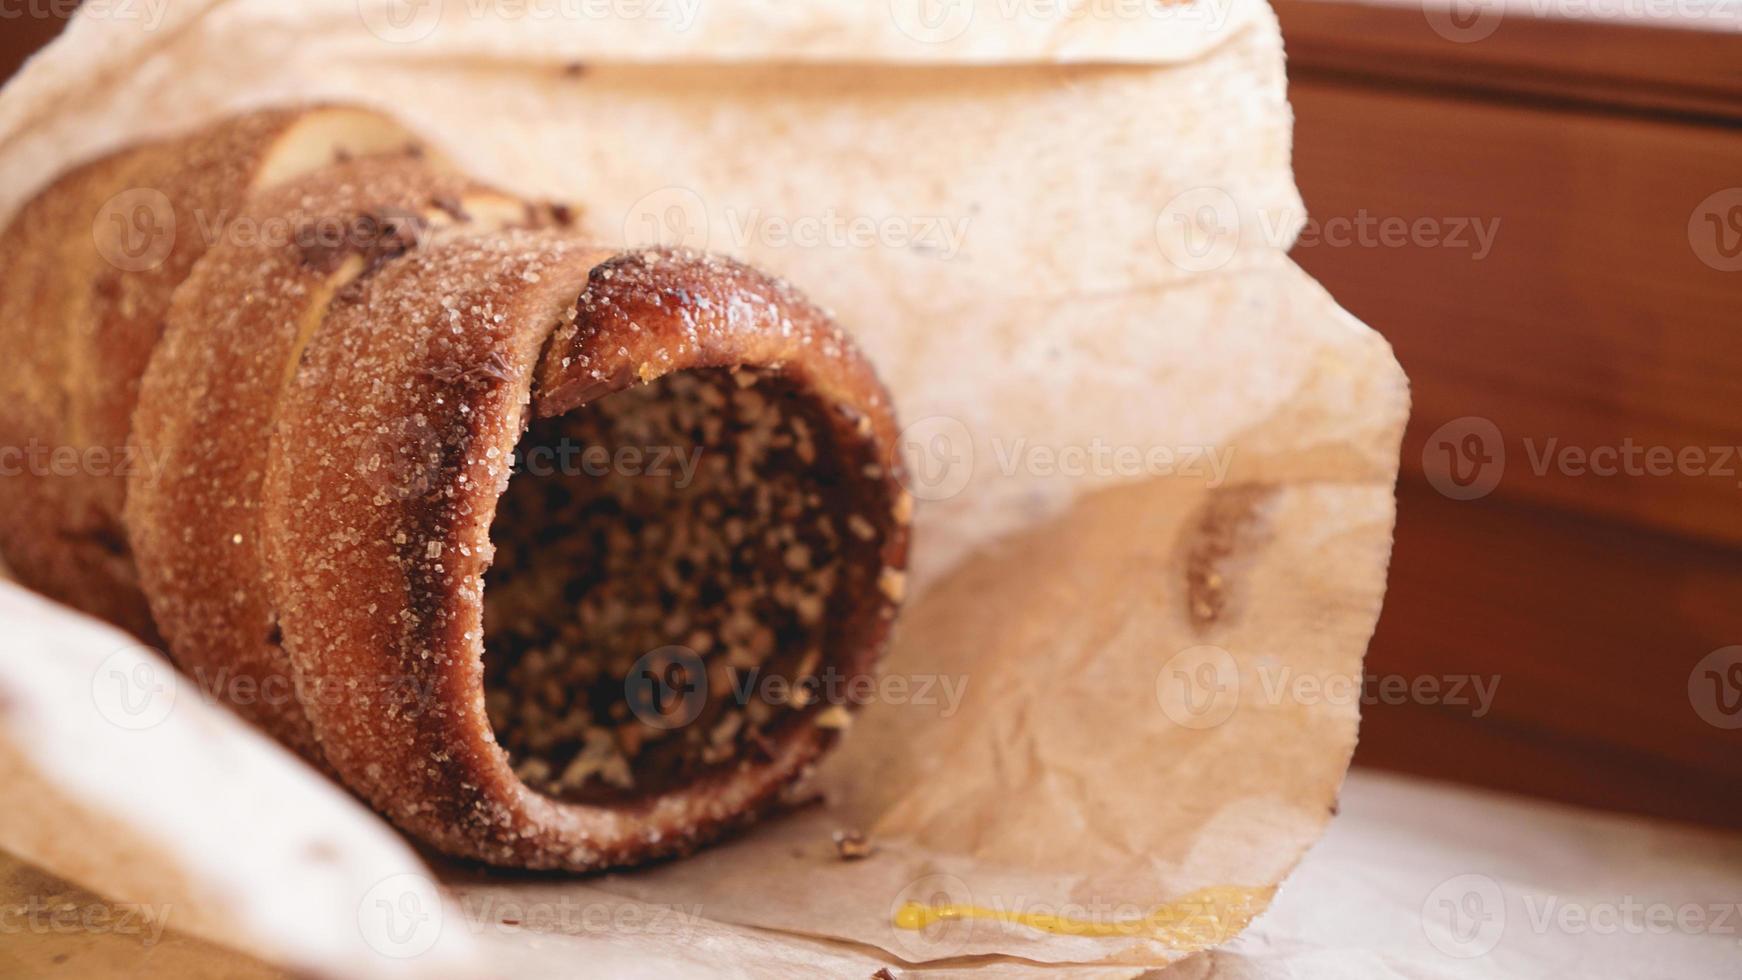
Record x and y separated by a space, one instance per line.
21 36
1592 322
55 929
1680 64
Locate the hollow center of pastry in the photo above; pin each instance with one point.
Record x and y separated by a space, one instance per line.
669 561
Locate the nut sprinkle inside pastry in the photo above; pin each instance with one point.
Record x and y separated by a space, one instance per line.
555 554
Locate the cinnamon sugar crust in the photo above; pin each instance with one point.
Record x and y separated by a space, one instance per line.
234 336
380 571
87 271
341 383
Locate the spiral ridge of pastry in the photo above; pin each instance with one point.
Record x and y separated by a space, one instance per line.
505 530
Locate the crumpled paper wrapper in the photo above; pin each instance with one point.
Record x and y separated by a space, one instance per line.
1154 465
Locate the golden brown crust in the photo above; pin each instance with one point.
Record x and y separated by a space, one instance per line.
335 422
378 568
87 270
231 343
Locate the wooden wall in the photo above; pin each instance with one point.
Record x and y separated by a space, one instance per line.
1605 316
20 36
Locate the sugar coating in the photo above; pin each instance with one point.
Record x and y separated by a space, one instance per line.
337 419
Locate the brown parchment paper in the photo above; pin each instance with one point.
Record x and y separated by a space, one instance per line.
1154 465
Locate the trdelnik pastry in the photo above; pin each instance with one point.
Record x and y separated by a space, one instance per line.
500 527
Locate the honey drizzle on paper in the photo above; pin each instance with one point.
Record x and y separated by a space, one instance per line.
1204 918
